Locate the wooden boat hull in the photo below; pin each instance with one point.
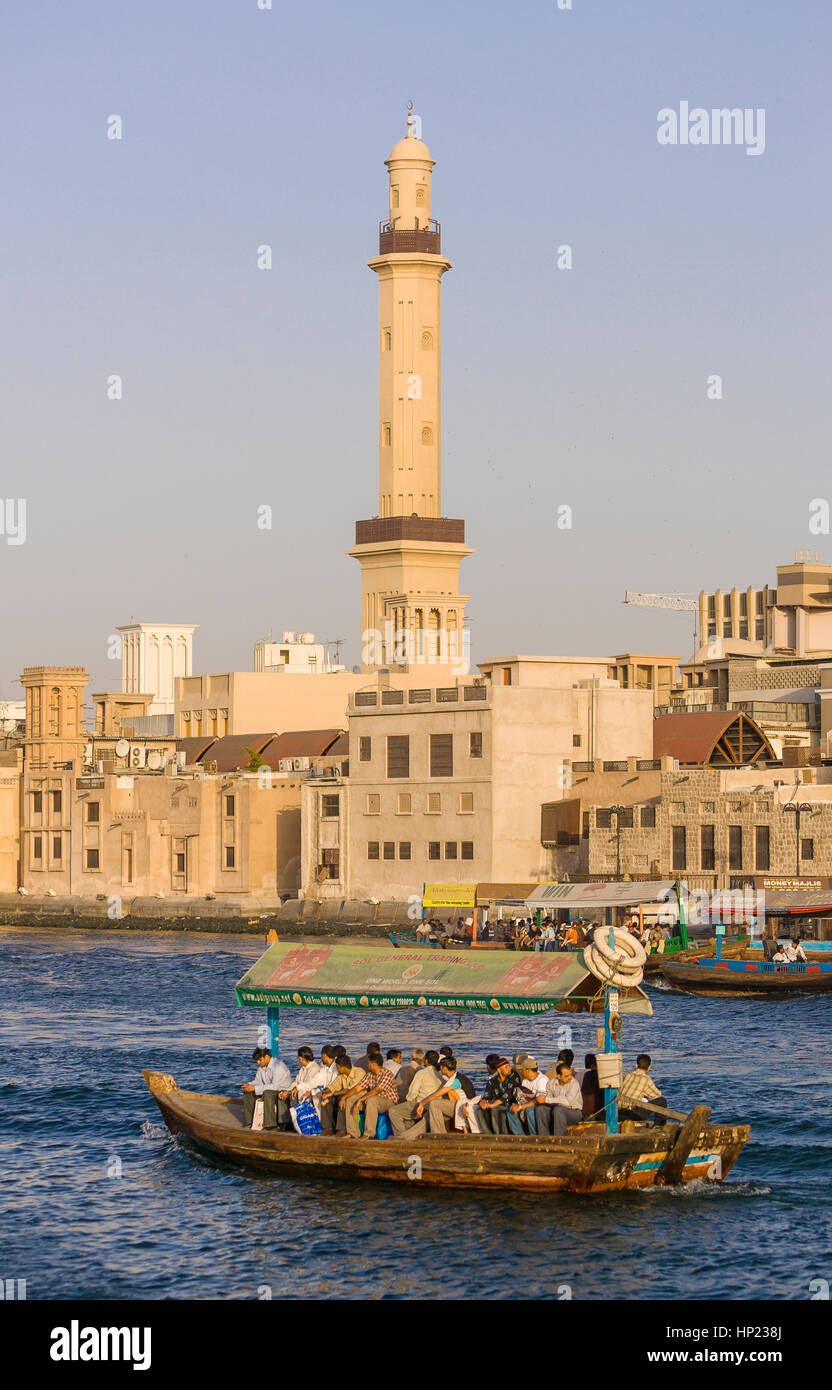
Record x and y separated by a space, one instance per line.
587 1160
745 977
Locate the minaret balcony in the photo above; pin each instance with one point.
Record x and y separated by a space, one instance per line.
392 237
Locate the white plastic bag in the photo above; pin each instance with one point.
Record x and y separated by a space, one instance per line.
257 1118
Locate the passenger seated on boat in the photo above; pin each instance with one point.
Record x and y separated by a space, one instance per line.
393 1060
793 950
310 1078
406 1073
522 1114
375 1094
468 1088
333 1097
563 1099
492 1109
780 957
637 1086
271 1085
591 1094
441 1104
426 1080
565 1055
373 1049
423 931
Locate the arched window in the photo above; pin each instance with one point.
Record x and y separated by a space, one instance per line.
387 340
421 196
55 712
387 435
427 434
427 339
394 196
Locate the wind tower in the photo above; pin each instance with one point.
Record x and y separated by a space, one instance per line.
412 612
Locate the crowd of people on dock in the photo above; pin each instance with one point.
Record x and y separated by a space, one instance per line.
376 1096
528 934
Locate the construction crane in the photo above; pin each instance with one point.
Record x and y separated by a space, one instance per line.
681 603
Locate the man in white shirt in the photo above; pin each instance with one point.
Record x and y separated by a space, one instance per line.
309 1081
271 1085
530 1099
403 1116
394 1060
328 1068
564 1096
793 950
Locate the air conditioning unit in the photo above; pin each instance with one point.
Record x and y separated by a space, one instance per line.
315 771
137 756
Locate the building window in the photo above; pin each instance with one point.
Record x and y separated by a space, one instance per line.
373 804
387 340
127 858
403 804
229 856
398 755
762 848
365 749
372 849
434 849
229 806
475 745
427 336
735 847
506 675
57 848
450 849
57 802
427 434
585 825
330 864
707 855
93 812
389 849
387 435
576 740
441 755
807 849
37 803
467 849
603 818
404 849
330 806
648 817
434 805
37 847
680 853
466 803
92 858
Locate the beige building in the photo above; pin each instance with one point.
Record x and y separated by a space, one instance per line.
411 608
716 828
445 783
793 618
154 656
11 774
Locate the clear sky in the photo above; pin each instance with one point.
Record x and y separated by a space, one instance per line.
244 387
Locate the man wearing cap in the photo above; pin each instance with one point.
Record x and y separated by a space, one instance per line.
529 1096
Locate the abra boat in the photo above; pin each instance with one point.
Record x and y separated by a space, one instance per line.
589 1158
712 975
586 1160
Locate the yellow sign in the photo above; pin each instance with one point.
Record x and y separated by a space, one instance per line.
449 895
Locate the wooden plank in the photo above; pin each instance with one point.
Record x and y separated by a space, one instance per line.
671 1170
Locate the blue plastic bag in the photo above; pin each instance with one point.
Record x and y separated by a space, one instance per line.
305 1118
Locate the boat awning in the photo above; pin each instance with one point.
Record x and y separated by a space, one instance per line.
600 894
376 977
449 895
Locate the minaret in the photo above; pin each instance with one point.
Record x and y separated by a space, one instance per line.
412 610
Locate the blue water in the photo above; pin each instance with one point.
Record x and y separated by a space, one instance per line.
99 1201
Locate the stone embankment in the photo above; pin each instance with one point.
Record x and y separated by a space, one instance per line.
339 917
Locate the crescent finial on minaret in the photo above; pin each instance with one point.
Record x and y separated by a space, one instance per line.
410 118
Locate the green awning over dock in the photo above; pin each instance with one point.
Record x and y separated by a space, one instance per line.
378 977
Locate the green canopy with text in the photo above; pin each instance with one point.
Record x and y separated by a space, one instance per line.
307 975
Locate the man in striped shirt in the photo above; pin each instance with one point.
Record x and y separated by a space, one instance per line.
636 1087
375 1094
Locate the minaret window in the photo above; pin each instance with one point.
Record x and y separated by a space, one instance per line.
394 196
421 198
387 434
388 340
427 340
427 434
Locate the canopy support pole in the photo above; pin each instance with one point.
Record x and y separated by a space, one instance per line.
683 926
273 1029
610 1045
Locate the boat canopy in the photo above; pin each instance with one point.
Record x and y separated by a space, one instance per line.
326 976
601 894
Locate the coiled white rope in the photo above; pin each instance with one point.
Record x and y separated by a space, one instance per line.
622 964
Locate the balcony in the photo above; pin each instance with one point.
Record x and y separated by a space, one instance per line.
391 238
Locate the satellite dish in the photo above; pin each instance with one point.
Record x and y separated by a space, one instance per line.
122 748
154 759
